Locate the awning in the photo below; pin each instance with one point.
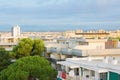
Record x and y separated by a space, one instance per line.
86 66
97 69
91 66
68 64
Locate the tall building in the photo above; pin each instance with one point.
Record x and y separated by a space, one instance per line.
15 31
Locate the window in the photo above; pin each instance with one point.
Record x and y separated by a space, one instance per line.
76 71
92 73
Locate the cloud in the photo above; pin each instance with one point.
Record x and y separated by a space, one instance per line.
58 11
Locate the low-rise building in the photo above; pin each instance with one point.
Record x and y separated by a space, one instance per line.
90 68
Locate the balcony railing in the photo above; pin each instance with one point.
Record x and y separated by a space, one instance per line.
66 51
73 78
56 50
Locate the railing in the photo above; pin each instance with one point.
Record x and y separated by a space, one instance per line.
84 52
84 78
77 52
73 78
101 52
56 50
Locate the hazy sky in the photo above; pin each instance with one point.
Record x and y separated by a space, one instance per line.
55 12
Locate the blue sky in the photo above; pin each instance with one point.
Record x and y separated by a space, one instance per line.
59 12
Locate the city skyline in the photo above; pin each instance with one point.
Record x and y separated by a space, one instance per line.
43 28
64 13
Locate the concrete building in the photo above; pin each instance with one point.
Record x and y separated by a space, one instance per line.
15 31
93 34
85 59
90 68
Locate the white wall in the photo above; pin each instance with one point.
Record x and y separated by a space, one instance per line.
91 46
16 31
118 44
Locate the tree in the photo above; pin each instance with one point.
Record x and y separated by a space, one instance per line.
4 59
38 47
114 38
27 47
29 68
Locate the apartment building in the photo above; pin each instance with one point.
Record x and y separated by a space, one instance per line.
15 31
90 68
85 59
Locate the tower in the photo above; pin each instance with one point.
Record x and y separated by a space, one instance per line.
15 31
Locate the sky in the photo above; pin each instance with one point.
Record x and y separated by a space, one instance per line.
60 12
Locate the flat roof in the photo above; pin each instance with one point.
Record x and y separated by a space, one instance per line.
96 65
68 64
92 33
75 65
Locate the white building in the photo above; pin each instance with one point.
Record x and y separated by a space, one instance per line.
16 31
85 59
90 68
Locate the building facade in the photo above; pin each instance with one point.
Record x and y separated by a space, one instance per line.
15 31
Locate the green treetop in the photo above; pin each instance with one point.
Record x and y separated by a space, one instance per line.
4 59
27 47
29 68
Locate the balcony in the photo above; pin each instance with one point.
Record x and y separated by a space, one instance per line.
55 50
74 78
95 52
7 44
66 51
77 52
